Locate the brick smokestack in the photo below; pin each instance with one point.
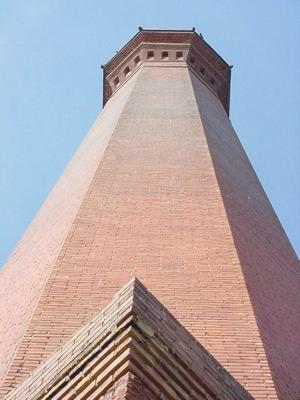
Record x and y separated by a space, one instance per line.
160 189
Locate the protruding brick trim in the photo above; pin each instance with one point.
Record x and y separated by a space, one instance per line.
169 47
133 335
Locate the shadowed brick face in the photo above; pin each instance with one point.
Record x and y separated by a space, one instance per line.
161 189
129 387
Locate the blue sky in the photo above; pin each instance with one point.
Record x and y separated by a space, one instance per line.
51 89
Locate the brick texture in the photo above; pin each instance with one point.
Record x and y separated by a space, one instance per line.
136 390
129 387
174 201
23 277
268 261
133 333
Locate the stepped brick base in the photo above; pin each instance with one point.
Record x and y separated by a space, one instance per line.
133 349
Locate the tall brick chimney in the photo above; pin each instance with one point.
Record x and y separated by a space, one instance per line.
162 190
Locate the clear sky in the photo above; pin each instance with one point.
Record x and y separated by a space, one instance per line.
51 89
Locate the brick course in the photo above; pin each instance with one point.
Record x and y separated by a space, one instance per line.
137 334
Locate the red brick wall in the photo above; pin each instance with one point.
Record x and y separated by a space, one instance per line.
268 261
154 210
24 276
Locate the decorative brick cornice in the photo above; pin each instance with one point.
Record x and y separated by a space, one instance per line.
169 48
133 335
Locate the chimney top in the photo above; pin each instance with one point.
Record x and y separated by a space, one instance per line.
185 46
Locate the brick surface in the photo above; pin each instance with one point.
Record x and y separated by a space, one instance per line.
137 391
129 387
133 333
23 277
175 202
268 261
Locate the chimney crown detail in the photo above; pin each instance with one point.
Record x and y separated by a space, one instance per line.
177 48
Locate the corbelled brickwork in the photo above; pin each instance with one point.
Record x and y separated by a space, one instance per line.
161 189
134 347
171 47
